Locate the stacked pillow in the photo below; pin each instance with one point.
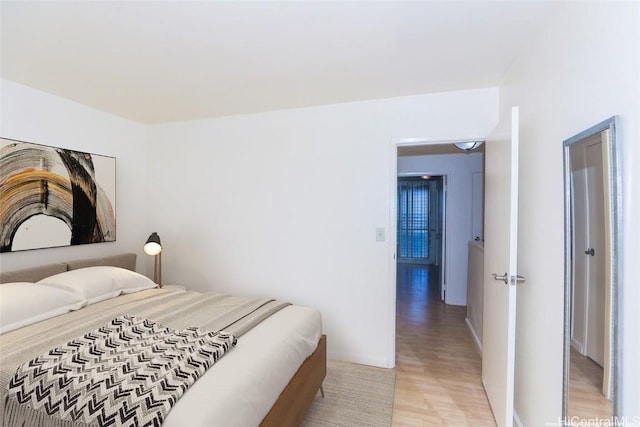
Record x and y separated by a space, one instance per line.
24 303
95 284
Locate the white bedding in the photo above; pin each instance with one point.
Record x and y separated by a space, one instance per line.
241 388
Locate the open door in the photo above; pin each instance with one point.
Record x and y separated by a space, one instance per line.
500 267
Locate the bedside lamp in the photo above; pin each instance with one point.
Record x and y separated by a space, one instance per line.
154 248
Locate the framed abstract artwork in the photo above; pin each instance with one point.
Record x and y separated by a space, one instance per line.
52 197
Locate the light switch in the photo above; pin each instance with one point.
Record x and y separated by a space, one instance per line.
380 234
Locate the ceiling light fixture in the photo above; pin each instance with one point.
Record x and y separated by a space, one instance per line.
469 145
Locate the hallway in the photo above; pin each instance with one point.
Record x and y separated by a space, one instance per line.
438 368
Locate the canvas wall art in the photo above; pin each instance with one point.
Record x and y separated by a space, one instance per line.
53 197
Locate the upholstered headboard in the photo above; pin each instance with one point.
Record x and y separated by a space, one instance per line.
33 274
127 261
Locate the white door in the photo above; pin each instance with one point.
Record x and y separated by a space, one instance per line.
501 242
595 253
579 244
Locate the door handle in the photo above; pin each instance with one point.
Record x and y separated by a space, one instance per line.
505 278
590 251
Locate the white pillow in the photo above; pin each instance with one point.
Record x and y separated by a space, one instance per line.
99 283
87 283
24 303
130 281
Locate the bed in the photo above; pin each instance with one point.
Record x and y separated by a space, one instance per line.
269 378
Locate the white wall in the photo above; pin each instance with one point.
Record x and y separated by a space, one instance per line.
459 169
286 204
583 68
30 115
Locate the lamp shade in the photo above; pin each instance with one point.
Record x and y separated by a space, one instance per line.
153 245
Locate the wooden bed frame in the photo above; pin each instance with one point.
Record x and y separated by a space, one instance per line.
295 399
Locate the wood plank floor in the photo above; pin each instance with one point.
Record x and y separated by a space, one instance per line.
586 400
438 368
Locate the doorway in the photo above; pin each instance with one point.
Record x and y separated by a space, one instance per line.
426 326
420 224
456 204
413 157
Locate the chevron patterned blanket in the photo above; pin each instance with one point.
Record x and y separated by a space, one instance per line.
129 372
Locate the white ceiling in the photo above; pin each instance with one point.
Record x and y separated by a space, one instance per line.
160 61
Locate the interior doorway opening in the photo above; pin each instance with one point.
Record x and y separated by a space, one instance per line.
421 226
416 157
426 325
439 204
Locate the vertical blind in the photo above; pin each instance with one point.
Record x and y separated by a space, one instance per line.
413 218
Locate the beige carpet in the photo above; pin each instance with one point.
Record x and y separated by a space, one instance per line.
354 395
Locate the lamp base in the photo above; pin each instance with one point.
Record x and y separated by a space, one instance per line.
157 269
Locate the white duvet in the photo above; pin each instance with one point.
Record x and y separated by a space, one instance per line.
240 389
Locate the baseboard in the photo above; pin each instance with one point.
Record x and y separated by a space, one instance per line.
476 340
359 359
577 345
516 419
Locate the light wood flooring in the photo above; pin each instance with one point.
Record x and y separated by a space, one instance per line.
586 400
438 368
